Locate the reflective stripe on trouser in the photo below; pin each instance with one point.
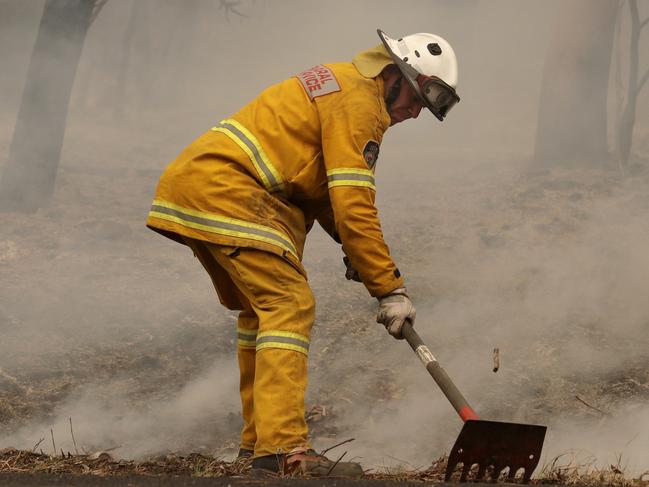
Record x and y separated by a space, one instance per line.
277 303
247 332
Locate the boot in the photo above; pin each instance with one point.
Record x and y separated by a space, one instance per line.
244 453
304 462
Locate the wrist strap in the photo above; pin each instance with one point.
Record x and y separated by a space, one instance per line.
400 291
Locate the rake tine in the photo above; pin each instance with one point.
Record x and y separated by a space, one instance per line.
527 475
496 472
518 471
482 468
449 471
465 470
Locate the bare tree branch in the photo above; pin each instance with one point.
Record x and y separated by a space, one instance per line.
231 6
99 4
635 19
633 9
642 81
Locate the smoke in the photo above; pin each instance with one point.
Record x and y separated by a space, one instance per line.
557 283
621 439
205 408
119 329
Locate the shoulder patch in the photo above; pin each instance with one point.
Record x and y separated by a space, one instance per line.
371 153
318 81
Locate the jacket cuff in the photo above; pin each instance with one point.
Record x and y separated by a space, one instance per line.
378 292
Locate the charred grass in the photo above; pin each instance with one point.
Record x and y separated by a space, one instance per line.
562 470
102 464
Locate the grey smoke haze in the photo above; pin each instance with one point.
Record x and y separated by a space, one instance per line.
101 421
555 273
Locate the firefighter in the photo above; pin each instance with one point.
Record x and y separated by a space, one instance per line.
244 195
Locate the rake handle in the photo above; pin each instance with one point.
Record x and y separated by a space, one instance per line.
444 382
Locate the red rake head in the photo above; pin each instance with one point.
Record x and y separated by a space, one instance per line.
497 445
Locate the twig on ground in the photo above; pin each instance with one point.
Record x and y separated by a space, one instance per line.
434 473
336 445
336 462
36 445
496 359
604 413
53 444
413 467
76 450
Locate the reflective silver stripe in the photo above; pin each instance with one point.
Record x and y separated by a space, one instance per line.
275 185
246 338
240 230
269 340
243 331
277 339
350 176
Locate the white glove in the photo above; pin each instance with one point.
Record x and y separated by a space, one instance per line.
394 309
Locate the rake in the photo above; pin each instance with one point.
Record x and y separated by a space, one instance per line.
486 443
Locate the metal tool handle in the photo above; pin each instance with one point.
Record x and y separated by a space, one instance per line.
439 374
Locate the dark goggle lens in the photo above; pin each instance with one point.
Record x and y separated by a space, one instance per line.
439 96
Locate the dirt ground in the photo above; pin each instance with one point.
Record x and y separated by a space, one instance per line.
141 481
27 468
95 305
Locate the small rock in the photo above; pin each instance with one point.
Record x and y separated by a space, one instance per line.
102 456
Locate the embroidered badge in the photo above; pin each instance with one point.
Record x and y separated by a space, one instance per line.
318 81
371 153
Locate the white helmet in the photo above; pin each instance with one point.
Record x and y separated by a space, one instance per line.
429 64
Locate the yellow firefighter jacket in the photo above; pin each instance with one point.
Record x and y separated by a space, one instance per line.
304 150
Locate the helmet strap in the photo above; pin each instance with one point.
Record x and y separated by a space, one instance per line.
393 94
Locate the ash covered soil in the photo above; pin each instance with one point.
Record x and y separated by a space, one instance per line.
117 330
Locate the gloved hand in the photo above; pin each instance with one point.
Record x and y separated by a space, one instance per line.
351 274
395 308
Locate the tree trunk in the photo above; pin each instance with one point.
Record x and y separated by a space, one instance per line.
28 179
626 123
571 128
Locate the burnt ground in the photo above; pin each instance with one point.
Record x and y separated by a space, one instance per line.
28 468
107 323
47 480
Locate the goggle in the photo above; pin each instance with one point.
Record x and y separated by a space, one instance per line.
438 96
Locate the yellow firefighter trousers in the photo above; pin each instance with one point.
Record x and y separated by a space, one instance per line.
274 325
